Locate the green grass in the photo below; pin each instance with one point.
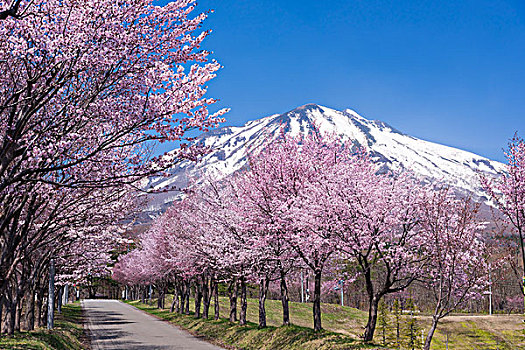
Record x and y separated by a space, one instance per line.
344 320
68 333
250 336
481 332
465 332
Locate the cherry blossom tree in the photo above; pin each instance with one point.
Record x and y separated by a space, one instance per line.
313 159
508 193
227 249
274 201
88 88
457 269
266 193
372 220
77 239
196 242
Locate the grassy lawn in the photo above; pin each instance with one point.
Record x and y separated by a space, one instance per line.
343 327
480 332
68 333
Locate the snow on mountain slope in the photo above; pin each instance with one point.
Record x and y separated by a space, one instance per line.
429 161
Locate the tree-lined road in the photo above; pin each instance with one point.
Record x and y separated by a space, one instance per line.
115 325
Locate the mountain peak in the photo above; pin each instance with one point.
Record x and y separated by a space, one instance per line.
307 106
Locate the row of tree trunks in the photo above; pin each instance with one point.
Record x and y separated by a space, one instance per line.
205 288
31 299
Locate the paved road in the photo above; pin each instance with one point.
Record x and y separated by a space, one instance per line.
115 325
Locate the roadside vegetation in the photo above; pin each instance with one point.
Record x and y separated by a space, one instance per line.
68 333
343 327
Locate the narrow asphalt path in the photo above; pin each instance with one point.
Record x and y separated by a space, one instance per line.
115 325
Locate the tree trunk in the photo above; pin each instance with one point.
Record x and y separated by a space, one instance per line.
30 309
181 296
244 302
430 334
216 299
198 298
263 289
51 296
187 298
372 319
11 314
180 289
160 298
233 300
205 297
2 300
65 299
285 300
43 322
18 313
59 299
317 300
175 302
38 307
142 294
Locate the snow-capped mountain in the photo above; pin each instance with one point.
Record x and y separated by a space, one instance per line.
391 148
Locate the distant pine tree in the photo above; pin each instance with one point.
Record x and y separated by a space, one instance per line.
396 310
383 322
412 330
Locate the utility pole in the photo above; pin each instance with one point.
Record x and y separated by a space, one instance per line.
307 294
51 296
489 293
66 294
524 293
302 287
490 289
342 292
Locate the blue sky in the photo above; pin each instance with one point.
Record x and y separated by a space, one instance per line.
451 72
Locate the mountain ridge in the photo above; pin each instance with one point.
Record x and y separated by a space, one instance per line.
388 146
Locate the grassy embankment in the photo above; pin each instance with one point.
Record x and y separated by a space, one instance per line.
68 333
343 327
233 336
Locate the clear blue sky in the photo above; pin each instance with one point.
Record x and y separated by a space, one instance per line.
452 72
